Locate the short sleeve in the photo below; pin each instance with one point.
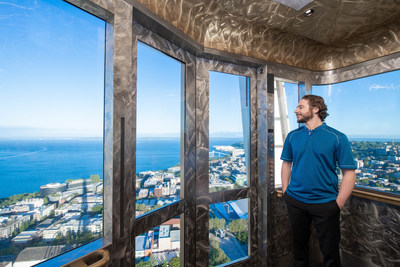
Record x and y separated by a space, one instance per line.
344 155
287 154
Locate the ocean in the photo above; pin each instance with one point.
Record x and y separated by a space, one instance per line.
25 165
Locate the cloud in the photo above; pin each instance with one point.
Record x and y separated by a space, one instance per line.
330 90
14 5
377 87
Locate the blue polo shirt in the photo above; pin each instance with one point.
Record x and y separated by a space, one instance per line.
315 155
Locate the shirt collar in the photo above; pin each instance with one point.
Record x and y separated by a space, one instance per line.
323 125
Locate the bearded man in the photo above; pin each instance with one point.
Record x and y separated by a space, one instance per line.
311 155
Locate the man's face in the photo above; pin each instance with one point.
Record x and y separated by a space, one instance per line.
303 112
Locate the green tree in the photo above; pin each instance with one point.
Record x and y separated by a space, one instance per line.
215 224
153 261
95 178
243 237
217 255
97 209
240 225
175 262
143 264
240 229
12 250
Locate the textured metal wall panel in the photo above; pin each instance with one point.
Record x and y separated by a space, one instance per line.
262 157
108 134
371 231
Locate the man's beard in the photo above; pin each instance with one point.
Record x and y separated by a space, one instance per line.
305 118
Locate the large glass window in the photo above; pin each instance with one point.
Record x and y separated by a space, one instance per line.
229 231
229 131
158 146
366 110
51 129
285 102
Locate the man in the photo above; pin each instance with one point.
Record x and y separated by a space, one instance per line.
310 157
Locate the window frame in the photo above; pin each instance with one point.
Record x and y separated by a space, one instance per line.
204 197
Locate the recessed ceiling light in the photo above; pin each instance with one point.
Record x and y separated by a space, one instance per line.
295 4
309 12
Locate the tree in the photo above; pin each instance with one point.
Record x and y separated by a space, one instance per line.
240 229
243 237
97 209
215 224
12 250
240 225
175 262
143 264
153 261
217 255
95 178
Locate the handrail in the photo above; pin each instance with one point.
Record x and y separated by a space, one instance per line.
98 258
367 194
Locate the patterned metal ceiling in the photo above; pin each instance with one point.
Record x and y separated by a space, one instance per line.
339 34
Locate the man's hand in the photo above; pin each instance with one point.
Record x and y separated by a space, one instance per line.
346 187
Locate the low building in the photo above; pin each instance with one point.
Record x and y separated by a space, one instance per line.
50 233
25 237
34 255
21 208
52 188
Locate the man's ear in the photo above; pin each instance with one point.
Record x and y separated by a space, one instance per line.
315 110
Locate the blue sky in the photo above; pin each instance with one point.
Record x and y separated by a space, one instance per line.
159 97
159 93
52 82
225 116
51 70
364 107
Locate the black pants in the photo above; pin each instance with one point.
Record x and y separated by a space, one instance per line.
326 218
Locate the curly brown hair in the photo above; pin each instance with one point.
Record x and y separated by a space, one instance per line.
317 102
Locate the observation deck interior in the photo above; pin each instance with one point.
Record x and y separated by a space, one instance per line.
266 41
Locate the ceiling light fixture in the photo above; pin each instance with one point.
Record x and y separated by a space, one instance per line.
295 4
309 12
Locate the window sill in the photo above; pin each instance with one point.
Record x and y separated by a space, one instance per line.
75 254
367 194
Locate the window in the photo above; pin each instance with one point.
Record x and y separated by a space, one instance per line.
366 110
51 128
285 102
158 146
229 231
229 131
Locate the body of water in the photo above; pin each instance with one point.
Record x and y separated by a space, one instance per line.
25 165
